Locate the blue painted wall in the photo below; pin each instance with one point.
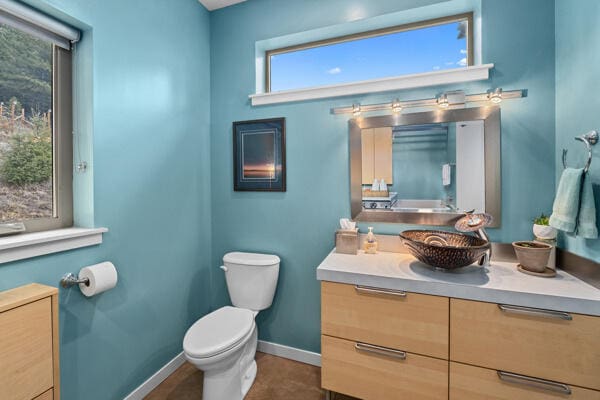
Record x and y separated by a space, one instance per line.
417 166
298 225
151 189
577 100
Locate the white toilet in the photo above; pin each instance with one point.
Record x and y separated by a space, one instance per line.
223 343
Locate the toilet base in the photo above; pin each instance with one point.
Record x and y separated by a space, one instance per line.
231 380
248 378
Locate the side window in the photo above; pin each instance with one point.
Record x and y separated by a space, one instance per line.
35 133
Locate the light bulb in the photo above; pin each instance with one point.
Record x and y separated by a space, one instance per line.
396 106
495 96
442 101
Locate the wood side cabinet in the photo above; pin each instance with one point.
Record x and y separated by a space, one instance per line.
376 146
29 354
389 344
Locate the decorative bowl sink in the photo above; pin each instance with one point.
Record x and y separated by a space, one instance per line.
446 250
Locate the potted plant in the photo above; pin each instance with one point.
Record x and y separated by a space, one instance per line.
533 256
542 229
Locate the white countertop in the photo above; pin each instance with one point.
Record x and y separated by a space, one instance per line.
500 282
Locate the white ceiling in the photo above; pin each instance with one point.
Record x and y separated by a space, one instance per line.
215 4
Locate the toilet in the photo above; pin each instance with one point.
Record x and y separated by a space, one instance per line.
223 343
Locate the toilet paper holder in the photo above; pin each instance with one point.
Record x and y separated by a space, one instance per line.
70 279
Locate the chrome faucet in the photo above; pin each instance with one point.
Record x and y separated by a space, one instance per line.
476 223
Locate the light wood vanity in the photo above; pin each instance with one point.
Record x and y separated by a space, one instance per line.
29 353
396 344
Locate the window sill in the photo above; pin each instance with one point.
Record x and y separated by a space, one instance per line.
458 75
27 245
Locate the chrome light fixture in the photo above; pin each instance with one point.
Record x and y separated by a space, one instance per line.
356 109
442 101
495 96
396 106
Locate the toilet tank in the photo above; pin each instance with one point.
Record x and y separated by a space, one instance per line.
251 279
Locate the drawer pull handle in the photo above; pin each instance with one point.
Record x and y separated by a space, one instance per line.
384 351
534 382
536 312
372 290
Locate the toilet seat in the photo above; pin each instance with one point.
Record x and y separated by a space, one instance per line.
217 332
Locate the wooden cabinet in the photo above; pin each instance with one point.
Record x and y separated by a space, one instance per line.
372 373
407 321
545 344
29 358
474 383
376 155
385 344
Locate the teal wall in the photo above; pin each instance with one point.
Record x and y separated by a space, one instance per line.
417 165
151 183
298 225
577 97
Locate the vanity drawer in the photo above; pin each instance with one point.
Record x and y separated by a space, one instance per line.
372 373
47 395
26 363
475 383
531 342
412 322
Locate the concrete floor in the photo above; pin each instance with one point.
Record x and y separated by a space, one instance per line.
277 378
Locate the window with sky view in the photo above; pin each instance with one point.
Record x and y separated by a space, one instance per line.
426 49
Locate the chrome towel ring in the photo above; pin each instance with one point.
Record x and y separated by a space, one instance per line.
589 139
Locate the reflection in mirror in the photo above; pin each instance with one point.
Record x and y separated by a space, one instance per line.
436 167
426 168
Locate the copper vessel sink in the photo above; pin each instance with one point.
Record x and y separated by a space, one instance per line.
445 250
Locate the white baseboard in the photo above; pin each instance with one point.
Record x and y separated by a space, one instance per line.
279 350
151 383
292 353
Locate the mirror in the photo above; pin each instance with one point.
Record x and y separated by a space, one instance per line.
426 168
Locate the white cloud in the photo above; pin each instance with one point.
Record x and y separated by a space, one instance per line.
436 67
449 63
463 51
462 62
334 71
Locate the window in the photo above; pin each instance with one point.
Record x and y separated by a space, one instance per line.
425 46
35 129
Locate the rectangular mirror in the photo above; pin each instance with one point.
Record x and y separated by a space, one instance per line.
426 168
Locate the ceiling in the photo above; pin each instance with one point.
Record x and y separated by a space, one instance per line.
215 4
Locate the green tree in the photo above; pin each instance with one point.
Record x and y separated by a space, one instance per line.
26 69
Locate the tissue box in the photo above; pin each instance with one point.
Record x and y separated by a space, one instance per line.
346 241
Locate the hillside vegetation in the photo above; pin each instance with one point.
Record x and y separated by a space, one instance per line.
25 126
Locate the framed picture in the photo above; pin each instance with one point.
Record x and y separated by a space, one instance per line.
259 155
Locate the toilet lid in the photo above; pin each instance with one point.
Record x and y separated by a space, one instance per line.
218 331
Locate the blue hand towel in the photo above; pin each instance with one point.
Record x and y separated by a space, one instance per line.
566 203
586 222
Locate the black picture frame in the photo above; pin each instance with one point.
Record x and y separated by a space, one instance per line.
259 155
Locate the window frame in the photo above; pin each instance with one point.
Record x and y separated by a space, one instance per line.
62 147
374 33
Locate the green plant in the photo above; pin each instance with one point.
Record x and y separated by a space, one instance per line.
28 160
543 219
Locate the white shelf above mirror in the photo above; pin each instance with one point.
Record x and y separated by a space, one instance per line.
435 78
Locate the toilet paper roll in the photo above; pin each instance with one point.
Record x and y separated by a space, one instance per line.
102 277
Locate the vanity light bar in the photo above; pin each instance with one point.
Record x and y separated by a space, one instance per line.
494 96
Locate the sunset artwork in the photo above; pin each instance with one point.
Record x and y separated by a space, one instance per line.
259 155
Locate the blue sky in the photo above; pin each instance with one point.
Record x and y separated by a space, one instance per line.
409 52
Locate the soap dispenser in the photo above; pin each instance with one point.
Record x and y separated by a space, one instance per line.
370 245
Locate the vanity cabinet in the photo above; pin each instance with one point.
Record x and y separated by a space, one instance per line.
383 344
29 357
550 345
380 343
406 321
376 148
